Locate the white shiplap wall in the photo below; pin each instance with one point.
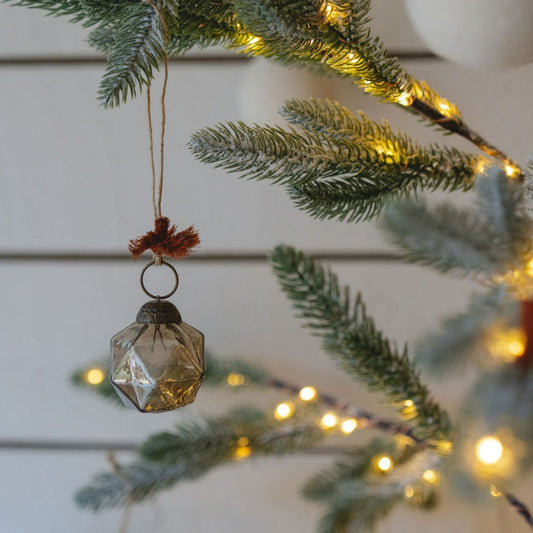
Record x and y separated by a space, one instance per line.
75 178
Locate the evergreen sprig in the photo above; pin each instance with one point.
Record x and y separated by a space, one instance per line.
301 32
358 495
501 201
336 165
490 241
194 449
350 337
137 49
443 237
295 33
463 336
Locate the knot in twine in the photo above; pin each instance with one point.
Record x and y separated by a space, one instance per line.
165 240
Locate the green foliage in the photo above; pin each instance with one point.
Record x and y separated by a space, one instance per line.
135 482
491 241
193 450
443 237
501 203
350 337
336 165
358 495
294 33
503 398
138 48
86 12
463 336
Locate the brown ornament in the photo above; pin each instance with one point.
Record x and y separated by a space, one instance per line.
158 362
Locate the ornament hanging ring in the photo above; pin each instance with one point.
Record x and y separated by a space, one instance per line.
176 277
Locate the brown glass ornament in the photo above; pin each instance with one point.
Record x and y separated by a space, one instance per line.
158 362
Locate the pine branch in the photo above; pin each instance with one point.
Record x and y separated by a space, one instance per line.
303 32
492 241
348 173
239 374
86 12
350 337
102 40
191 451
462 336
138 49
501 201
358 496
135 483
322 116
445 238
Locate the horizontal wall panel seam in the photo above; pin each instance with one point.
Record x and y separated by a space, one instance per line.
258 257
87 446
33 61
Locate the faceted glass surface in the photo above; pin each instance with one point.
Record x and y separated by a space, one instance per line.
157 367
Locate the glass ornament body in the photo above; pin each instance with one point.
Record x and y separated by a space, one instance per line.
158 362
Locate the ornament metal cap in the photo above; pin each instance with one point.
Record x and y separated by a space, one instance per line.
158 312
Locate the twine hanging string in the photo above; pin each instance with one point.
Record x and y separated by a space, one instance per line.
165 240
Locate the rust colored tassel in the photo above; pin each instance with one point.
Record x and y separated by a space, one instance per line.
165 240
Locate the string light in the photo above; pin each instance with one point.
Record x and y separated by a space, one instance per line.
329 420
253 39
242 452
330 11
235 379
445 108
307 394
94 376
283 410
511 170
349 426
405 99
409 491
444 446
489 450
409 410
529 267
431 476
507 344
243 441
384 463
390 153
517 348
494 491
481 165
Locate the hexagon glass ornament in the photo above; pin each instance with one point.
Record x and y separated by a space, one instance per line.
158 362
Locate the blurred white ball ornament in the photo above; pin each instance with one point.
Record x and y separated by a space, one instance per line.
476 33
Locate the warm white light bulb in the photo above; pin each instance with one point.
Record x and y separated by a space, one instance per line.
283 410
511 170
235 379
384 463
349 426
94 376
431 476
307 394
489 450
329 420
